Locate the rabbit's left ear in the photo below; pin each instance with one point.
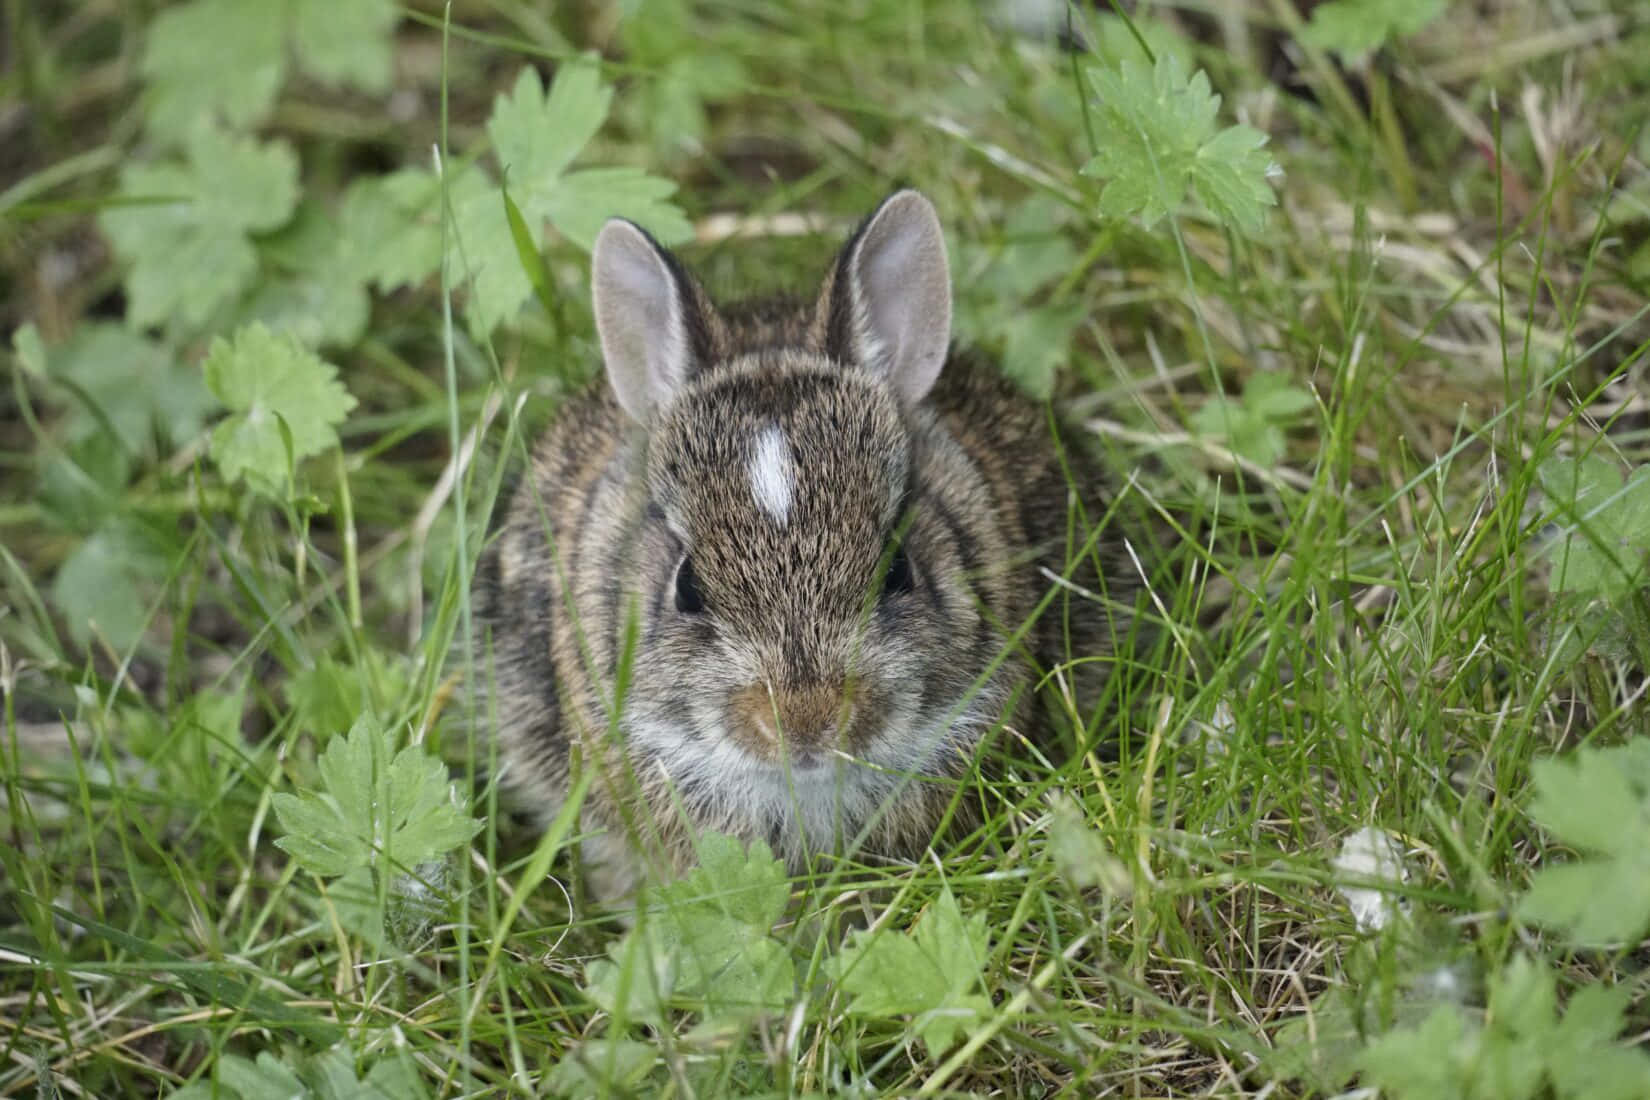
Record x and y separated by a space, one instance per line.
646 313
889 299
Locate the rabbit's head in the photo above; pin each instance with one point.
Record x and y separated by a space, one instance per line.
808 577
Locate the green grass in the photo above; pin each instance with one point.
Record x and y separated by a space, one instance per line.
1356 618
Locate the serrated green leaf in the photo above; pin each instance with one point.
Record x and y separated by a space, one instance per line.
332 1076
602 1067
1586 1059
105 587
345 42
1595 901
81 486
486 256
184 235
1081 855
1589 802
271 385
309 289
132 384
536 136
929 973
1524 998
584 199
1604 551
389 812
234 81
1353 26
1427 1062
1155 138
390 226
265 1079
705 939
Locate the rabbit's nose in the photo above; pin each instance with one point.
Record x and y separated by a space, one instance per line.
802 718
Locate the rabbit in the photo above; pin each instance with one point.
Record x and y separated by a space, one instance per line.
771 577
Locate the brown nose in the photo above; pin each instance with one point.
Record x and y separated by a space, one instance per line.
803 718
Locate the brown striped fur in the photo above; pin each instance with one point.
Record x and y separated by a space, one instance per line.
805 705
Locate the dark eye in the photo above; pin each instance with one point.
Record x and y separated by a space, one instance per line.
897 580
688 599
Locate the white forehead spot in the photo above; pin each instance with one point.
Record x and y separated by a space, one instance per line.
772 475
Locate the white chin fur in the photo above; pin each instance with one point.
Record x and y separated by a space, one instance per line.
815 809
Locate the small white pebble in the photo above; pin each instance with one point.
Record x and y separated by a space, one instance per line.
1371 854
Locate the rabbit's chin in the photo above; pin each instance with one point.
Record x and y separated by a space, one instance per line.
817 800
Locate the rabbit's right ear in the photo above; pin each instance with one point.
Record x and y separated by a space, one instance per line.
644 309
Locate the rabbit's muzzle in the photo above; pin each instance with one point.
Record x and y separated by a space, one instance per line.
802 723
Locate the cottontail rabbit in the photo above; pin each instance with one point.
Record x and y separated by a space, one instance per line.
772 577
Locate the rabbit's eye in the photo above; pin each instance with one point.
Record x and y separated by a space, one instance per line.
688 599
897 580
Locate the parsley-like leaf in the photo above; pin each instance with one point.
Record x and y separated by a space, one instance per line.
277 392
706 937
212 60
1597 801
1605 549
929 973
345 42
375 808
184 231
223 61
1156 139
125 381
1253 427
1353 26
309 289
536 136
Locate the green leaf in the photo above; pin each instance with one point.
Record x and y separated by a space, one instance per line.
1156 138
1597 801
332 1076
485 253
929 973
373 809
527 252
234 81
106 586
1605 549
310 290
128 382
536 136
1275 396
345 42
1250 427
278 393
1353 26
1428 1062
184 232
996 285
265 1079
1081 855
390 225
602 1067
1586 1058
705 938
587 198
81 486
